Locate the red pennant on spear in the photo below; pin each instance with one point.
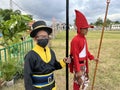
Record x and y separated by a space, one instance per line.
108 1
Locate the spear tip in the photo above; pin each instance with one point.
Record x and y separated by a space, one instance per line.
108 1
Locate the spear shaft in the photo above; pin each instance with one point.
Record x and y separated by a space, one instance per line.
102 33
67 42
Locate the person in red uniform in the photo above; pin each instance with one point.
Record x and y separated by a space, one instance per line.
80 54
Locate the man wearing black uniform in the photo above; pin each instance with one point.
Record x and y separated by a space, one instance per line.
41 61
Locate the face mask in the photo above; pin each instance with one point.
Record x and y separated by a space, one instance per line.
42 42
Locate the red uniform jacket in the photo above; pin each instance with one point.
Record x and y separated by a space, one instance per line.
79 52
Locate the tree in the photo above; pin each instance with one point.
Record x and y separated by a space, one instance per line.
108 22
99 22
117 22
12 25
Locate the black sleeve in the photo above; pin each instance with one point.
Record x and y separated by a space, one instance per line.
57 65
28 67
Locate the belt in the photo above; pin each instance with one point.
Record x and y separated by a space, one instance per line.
42 80
81 62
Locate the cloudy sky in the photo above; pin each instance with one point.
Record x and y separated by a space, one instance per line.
49 10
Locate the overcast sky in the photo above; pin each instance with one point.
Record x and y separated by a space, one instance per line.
49 9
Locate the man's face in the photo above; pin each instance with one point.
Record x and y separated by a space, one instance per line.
84 31
42 35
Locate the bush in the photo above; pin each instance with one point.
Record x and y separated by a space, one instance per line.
8 69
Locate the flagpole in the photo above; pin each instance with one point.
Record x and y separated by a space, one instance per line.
108 1
67 42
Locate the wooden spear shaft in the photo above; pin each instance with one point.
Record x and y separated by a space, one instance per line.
108 1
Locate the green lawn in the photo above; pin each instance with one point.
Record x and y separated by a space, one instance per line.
108 73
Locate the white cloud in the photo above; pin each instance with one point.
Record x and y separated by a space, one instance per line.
4 4
47 9
114 17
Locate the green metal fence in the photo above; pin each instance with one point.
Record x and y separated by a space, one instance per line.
16 51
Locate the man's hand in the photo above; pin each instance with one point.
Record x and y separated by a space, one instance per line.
67 60
96 59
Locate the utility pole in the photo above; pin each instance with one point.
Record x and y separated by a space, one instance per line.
11 7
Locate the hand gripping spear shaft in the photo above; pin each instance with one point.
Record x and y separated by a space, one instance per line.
108 1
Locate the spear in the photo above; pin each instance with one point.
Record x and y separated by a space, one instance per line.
67 42
108 1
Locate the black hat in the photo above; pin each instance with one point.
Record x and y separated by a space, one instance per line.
40 25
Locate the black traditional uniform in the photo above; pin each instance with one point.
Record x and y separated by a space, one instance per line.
38 69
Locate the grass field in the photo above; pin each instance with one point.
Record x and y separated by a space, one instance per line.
108 73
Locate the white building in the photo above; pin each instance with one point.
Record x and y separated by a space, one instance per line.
115 27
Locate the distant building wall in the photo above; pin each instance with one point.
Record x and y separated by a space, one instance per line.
115 27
